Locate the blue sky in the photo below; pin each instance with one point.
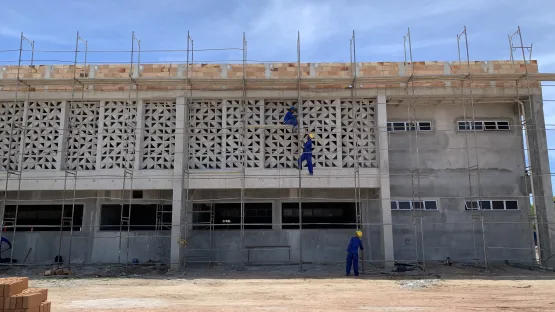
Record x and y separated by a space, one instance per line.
271 27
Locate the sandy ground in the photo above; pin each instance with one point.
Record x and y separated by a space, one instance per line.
316 289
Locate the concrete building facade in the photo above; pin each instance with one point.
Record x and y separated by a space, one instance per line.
428 162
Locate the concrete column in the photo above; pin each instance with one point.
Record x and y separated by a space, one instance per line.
539 161
276 215
139 133
88 227
385 196
62 141
178 231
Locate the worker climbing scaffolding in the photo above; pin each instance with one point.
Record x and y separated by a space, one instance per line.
307 154
290 118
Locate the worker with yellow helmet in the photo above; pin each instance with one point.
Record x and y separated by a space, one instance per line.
352 253
307 154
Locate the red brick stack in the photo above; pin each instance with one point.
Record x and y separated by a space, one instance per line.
15 296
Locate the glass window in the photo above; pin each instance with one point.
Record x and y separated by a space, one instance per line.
498 204
503 125
404 205
490 125
417 205
425 126
431 205
511 204
471 205
485 204
398 126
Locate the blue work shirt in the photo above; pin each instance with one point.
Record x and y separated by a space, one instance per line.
288 116
354 245
308 147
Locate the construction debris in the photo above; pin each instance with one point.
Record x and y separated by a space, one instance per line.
15 296
61 271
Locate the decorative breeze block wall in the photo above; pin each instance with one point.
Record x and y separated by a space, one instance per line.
158 148
358 133
232 133
254 115
281 146
205 134
82 137
218 135
345 131
11 122
118 135
320 117
42 134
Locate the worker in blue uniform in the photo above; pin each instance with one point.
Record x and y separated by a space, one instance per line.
352 253
307 154
290 118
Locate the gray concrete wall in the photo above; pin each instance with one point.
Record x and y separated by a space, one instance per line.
443 164
444 175
89 245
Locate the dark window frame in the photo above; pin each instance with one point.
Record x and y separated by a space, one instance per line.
227 216
490 204
37 223
110 217
426 204
405 126
319 215
484 125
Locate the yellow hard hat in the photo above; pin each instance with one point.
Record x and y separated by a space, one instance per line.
311 135
358 233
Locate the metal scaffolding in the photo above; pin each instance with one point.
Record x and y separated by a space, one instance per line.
193 218
71 170
16 129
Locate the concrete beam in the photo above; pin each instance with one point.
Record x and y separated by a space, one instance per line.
110 179
424 92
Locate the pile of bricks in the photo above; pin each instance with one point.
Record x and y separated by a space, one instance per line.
15 296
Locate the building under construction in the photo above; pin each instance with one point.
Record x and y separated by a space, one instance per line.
190 163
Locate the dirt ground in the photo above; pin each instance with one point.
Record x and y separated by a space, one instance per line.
317 288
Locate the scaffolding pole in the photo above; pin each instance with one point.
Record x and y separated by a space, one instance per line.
244 148
357 115
414 149
526 123
300 142
129 148
70 171
16 169
471 126
185 172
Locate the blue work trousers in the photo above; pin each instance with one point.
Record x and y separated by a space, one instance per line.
292 122
352 261
308 158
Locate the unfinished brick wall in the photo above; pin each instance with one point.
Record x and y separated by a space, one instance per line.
272 71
